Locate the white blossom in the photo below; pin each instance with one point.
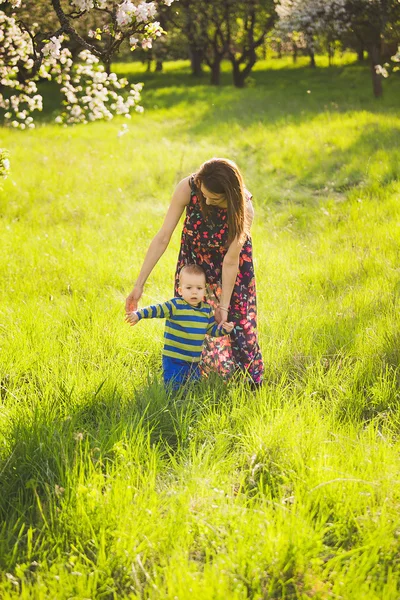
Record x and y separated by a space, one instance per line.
147 43
396 57
4 163
124 129
14 3
133 42
145 11
125 13
83 5
381 70
53 47
311 17
89 92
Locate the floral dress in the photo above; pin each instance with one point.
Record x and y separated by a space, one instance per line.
204 242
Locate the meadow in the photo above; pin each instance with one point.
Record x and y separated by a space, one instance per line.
112 489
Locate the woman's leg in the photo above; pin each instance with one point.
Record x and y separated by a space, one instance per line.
244 338
247 355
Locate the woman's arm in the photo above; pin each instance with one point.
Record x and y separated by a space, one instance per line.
180 199
230 268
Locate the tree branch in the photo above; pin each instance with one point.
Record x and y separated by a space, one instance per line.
67 28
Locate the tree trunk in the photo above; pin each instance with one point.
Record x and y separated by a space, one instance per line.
216 72
375 59
312 58
159 65
238 75
294 53
265 50
330 54
196 59
360 54
279 49
107 66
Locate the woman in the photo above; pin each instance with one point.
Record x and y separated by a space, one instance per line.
216 235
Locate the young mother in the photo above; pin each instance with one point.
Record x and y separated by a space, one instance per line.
216 235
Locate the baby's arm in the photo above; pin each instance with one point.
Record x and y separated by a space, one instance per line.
160 311
132 318
213 329
228 326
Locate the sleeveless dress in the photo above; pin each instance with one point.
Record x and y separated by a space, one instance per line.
203 242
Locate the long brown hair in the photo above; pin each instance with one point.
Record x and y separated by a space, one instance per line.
222 176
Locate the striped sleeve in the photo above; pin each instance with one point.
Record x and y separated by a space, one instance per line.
156 311
212 328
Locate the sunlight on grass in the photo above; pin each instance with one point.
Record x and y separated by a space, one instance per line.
109 487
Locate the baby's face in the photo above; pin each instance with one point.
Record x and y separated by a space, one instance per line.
192 288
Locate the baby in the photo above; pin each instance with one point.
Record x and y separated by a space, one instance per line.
188 319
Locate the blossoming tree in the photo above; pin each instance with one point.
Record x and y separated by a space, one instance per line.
30 52
4 165
369 22
372 22
312 19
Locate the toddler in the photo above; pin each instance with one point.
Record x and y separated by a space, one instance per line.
188 319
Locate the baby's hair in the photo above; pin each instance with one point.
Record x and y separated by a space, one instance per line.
191 269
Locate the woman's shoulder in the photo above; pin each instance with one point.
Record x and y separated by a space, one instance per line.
184 183
182 192
188 184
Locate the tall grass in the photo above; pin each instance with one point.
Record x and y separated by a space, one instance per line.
111 488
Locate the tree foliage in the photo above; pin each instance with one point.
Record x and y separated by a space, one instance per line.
231 29
51 41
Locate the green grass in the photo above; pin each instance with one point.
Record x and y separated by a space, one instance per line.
109 488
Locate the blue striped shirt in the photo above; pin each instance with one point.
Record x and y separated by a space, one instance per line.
185 328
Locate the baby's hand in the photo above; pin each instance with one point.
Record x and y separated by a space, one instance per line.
228 326
131 318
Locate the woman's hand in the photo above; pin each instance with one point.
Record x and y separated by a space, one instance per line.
133 299
221 316
131 318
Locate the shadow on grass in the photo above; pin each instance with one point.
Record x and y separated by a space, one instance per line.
42 445
334 343
271 94
278 97
53 447
275 92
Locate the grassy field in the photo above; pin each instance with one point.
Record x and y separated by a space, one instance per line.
111 489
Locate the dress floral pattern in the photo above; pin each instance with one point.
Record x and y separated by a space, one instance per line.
204 242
